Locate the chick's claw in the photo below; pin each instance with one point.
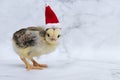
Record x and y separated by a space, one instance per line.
33 67
41 65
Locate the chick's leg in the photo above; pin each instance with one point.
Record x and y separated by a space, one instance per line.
37 64
28 66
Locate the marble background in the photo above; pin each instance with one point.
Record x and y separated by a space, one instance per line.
90 27
90 43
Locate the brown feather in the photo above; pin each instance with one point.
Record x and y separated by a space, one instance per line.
24 40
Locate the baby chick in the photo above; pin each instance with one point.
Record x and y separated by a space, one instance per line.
33 42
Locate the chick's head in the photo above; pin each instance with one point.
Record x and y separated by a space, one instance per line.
52 35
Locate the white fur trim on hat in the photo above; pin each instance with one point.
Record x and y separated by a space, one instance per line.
53 25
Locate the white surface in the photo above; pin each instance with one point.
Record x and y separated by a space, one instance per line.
90 46
61 70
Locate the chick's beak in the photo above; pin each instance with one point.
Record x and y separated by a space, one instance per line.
53 38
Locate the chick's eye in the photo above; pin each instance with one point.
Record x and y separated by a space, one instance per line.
58 36
48 35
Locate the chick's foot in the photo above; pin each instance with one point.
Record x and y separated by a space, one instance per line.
37 64
33 67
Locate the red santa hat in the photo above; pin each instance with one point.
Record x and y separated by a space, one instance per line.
51 19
